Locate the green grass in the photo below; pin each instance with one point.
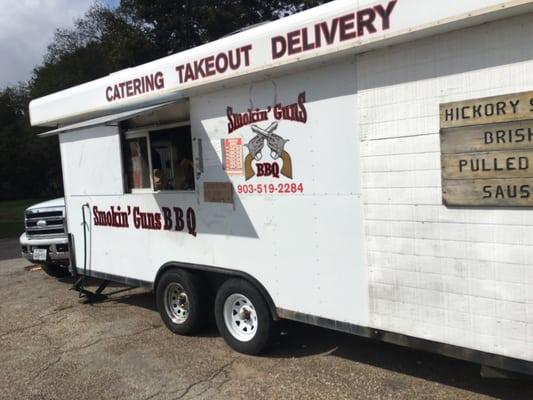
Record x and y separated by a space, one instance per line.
12 217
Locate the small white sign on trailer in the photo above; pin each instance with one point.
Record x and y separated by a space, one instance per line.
293 171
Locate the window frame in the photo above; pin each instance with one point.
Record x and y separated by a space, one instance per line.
136 135
145 132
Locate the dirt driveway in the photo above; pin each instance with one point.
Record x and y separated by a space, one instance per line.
52 346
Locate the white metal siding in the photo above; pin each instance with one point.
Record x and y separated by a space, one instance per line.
462 276
307 247
91 161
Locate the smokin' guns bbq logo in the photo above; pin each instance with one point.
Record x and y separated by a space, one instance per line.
175 219
276 143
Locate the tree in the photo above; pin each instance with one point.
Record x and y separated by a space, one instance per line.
107 40
178 25
29 167
102 42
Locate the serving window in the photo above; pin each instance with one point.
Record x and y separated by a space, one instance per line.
159 160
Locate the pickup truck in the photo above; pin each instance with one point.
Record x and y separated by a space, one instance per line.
45 240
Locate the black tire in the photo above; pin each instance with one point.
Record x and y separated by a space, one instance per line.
196 301
264 326
55 270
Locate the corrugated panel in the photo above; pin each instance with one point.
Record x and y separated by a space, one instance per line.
462 276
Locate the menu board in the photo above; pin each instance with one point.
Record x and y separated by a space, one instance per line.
233 163
487 151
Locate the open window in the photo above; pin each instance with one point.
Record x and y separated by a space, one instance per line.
159 160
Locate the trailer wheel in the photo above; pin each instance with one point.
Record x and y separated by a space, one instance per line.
242 316
181 301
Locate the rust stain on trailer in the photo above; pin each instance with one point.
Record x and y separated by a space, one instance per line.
218 192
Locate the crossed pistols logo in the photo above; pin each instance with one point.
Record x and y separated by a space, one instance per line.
275 143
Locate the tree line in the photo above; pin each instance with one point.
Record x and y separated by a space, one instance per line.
103 41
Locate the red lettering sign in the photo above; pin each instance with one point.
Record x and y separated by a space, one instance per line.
133 87
167 219
346 27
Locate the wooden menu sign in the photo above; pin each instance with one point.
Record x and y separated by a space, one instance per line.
487 151
511 107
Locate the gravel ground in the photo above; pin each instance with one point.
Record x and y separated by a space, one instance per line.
55 347
9 249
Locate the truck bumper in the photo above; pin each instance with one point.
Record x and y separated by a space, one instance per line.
57 249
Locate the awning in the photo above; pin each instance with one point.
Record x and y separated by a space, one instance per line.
107 120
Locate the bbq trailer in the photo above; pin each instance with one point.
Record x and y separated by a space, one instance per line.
363 166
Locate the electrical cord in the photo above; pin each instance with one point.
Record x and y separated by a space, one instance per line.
85 226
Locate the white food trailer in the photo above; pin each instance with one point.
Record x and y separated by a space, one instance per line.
361 166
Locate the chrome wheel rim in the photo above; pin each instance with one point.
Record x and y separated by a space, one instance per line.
176 303
240 317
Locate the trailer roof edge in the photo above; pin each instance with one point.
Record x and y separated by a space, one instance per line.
178 76
108 120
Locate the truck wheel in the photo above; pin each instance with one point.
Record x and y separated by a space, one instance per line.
242 316
181 301
57 271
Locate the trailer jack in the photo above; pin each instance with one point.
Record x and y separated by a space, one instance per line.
91 297
79 286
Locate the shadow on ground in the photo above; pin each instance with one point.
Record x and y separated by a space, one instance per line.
300 340
303 340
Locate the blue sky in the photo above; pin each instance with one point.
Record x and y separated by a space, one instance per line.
27 27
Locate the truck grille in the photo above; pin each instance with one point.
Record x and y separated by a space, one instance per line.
45 223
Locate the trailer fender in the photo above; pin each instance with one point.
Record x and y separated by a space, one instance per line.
220 271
